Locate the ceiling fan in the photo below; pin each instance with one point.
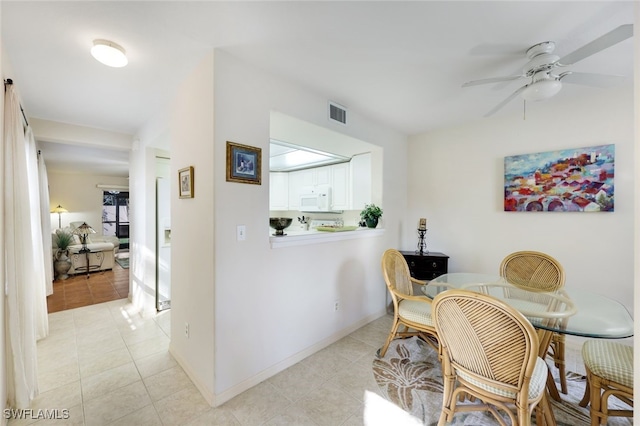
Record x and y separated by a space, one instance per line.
543 66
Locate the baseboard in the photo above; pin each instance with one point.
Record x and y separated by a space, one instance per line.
236 390
218 399
208 396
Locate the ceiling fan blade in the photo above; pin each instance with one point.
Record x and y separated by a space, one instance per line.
492 80
615 36
603 81
506 101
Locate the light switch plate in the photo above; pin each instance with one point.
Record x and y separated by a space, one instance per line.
241 233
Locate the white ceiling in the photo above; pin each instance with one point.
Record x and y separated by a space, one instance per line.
399 63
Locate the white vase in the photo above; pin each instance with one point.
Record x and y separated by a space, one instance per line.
61 265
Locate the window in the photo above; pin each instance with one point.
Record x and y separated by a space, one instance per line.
115 216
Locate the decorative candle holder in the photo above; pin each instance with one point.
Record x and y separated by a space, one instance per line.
422 244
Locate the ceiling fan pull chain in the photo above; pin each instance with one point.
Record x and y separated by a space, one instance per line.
524 109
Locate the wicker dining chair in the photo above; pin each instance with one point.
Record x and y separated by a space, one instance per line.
409 312
533 269
489 351
609 368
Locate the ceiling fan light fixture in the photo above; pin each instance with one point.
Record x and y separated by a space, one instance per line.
541 89
109 53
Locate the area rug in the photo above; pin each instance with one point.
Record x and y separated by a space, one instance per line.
410 376
123 261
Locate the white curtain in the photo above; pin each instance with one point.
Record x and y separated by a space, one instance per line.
45 218
24 270
41 264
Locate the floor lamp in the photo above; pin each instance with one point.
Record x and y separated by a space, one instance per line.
59 210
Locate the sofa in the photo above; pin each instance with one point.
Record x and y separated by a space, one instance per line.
103 249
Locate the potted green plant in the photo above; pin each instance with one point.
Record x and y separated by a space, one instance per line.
370 215
62 263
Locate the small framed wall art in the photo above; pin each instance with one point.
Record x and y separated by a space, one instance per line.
185 182
244 163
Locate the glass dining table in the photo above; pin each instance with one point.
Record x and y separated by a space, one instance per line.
592 314
569 311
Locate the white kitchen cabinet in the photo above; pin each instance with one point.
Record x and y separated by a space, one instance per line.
296 185
322 175
360 181
340 186
312 177
278 191
305 181
350 184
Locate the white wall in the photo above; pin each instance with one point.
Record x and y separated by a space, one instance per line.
192 235
3 345
274 306
636 176
252 310
79 195
457 180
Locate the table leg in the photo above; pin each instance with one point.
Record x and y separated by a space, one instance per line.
87 255
544 339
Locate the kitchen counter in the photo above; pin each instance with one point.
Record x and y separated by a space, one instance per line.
299 237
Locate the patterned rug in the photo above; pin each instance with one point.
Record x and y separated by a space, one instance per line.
410 376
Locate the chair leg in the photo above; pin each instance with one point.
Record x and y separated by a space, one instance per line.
595 400
448 393
539 414
587 394
559 360
394 329
448 400
524 418
544 412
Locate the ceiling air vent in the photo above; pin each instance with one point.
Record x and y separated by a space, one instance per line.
337 113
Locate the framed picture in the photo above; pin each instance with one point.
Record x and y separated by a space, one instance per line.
185 182
244 163
570 180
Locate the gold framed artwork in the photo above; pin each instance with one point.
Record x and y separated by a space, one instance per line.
244 163
185 182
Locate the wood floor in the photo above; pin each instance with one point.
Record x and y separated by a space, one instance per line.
99 287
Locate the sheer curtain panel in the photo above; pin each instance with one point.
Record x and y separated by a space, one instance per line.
24 269
40 282
45 218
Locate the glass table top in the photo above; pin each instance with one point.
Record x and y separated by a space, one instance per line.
571 311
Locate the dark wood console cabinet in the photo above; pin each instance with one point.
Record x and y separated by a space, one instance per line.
426 266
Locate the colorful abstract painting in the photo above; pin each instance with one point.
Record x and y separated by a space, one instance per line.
572 180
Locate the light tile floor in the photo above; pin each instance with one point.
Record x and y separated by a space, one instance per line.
108 367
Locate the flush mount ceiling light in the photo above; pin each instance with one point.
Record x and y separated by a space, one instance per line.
109 53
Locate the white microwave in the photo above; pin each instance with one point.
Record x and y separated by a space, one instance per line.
317 200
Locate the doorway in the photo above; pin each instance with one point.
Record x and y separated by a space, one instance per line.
163 232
